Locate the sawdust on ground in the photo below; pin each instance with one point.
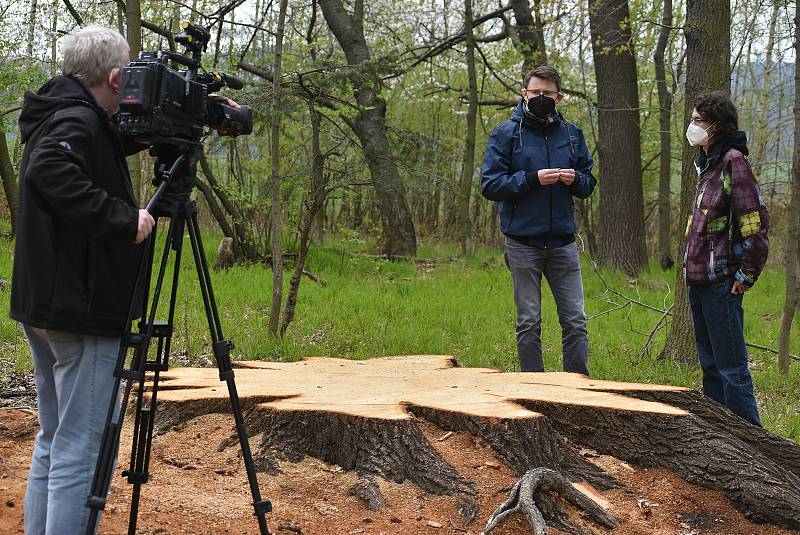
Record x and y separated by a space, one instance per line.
196 489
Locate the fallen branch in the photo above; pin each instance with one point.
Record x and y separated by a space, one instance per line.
20 409
8 469
530 496
314 277
285 256
659 325
630 300
770 350
292 257
394 258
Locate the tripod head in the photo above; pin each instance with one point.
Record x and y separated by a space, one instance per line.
175 173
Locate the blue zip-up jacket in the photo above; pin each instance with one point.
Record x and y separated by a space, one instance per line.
516 148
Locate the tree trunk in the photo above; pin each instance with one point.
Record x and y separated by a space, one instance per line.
243 243
133 18
792 299
217 212
468 168
367 416
761 137
319 226
358 210
585 207
530 34
437 198
369 125
622 232
665 139
31 29
54 37
494 238
275 154
708 52
317 193
9 178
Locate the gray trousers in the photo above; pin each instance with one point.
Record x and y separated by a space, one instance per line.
561 267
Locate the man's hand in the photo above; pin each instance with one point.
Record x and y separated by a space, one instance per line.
738 288
548 176
225 100
228 102
567 176
146 224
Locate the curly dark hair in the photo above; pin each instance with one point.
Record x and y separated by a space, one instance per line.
717 107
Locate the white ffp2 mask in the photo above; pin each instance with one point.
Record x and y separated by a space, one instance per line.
696 134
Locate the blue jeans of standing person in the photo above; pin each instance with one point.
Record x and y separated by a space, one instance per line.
74 383
719 329
562 269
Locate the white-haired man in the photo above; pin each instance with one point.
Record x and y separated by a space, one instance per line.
75 262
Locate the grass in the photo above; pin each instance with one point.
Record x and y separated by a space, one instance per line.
459 307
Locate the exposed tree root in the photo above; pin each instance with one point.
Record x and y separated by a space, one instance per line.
530 498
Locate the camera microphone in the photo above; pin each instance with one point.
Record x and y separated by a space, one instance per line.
218 80
232 81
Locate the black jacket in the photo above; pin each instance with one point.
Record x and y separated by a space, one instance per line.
75 261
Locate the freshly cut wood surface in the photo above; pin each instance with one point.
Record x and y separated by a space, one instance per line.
384 387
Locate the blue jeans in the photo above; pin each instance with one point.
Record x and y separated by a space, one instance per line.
562 269
74 382
719 328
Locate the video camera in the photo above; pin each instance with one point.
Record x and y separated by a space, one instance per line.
162 104
168 108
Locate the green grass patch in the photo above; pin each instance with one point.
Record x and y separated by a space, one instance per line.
461 307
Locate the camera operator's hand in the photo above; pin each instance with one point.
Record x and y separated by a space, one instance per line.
225 100
228 102
146 224
567 176
548 176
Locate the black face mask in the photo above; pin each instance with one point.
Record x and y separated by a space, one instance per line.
541 106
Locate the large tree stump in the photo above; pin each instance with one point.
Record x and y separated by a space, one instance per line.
363 416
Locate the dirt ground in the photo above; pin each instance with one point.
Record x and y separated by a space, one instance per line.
194 488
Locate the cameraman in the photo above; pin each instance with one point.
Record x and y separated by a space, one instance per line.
75 265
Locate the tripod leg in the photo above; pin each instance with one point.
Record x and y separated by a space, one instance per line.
222 349
141 446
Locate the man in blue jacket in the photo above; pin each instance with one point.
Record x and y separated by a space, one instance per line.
534 164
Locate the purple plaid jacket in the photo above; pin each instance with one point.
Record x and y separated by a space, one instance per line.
726 235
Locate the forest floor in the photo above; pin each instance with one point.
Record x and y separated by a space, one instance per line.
196 489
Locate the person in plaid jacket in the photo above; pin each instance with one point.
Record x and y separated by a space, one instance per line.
724 250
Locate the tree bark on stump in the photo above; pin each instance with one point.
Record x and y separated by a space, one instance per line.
365 416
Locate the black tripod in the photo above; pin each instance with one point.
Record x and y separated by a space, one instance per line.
175 166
